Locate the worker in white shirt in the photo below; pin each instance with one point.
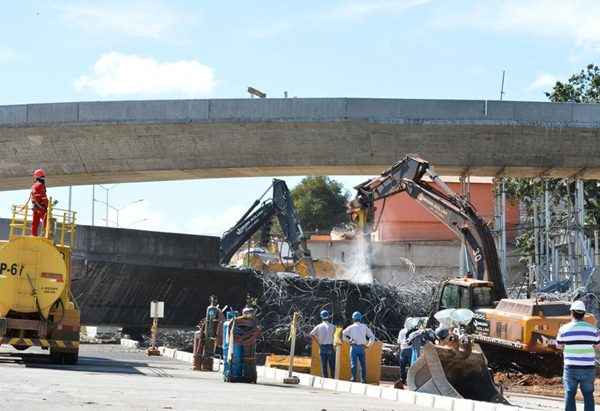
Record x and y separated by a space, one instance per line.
405 348
357 335
322 334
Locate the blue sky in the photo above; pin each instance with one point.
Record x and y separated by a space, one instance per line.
113 50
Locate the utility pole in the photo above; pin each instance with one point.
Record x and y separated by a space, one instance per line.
70 197
502 85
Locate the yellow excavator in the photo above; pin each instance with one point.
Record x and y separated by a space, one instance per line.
515 331
266 254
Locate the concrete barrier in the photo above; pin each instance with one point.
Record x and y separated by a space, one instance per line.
424 400
430 401
343 386
373 391
126 342
329 384
318 382
443 403
358 388
389 394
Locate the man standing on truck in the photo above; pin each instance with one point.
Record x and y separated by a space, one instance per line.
578 339
357 335
322 334
39 200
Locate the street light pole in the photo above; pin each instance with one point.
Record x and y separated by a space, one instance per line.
93 202
118 210
107 207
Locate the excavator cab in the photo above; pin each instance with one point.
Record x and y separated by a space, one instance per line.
466 293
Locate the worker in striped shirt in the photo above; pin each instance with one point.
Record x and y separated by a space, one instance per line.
578 339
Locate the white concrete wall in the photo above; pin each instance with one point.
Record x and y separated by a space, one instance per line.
391 262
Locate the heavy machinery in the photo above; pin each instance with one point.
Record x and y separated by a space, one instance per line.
36 304
508 330
455 366
264 257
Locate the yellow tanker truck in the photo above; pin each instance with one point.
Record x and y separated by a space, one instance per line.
36 304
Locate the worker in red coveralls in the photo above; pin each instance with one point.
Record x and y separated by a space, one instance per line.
39 200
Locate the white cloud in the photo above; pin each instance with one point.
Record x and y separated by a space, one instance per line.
7 54
117 74
217 224
543 81
364 8
150 19
557 19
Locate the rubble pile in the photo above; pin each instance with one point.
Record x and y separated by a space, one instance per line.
384 307
276 296
536 384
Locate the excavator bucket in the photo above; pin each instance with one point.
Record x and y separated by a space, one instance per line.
445 370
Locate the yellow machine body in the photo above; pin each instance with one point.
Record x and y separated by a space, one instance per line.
269 261
518 326
526 325
33 275
36 305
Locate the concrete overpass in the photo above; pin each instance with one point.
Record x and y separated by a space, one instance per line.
116 142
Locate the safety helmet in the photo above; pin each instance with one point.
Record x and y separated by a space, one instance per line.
578 306
248 311
39 173
356 316
442 332
324 315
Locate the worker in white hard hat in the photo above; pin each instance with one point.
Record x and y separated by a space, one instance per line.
578 339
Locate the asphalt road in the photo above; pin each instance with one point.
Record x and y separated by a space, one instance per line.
112 377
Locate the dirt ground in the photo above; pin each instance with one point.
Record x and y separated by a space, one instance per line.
537 385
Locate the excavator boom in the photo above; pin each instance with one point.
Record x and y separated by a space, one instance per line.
454 211
280 205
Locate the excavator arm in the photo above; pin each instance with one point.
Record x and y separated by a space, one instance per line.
280 205
454 211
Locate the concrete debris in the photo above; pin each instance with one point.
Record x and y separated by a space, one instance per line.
278 295
183 340
384 307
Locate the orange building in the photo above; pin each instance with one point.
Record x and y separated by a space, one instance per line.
404 219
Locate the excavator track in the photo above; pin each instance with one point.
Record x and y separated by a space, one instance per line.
505 359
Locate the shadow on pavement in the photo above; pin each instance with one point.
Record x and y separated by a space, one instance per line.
85 363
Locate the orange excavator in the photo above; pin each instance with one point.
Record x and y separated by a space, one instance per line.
508 330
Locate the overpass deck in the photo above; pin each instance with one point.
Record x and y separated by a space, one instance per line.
125 141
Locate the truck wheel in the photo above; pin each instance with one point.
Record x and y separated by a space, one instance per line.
70 358
56 357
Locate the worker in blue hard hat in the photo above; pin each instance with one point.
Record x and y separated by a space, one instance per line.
359 336
322 334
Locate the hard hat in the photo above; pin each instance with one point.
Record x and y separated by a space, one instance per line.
578 306
39 173
442 332
356 316
248 311
324 314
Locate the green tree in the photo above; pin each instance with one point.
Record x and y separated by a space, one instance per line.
320 203
583 87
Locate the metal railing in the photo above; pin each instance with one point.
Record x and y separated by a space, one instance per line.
59 225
